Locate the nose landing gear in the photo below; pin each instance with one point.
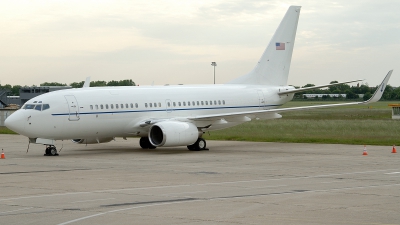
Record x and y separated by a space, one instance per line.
51 150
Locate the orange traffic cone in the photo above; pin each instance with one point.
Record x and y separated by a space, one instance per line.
394 149
2 154
365 150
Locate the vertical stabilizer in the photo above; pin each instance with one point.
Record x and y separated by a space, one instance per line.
273 66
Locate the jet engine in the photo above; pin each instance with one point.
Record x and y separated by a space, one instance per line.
92 140
173 133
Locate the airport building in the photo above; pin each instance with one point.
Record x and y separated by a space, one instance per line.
26 93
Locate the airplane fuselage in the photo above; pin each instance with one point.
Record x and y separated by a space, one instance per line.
116 111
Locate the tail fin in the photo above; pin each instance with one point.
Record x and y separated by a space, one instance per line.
273 67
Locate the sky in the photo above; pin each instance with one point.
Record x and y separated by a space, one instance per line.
175 41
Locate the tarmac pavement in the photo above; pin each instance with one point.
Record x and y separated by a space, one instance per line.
232 183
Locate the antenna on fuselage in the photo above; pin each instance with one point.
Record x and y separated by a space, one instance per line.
87 83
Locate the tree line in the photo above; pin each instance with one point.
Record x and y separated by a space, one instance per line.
14 90
352 92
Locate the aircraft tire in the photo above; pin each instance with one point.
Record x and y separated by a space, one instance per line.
53 151
201 144
48 150
144 142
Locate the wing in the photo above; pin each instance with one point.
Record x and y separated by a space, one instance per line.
313 87
273 113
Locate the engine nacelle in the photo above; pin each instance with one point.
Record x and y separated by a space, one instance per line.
173 133
92 140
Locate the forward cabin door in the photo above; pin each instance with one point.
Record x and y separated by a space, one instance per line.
261 99
73 108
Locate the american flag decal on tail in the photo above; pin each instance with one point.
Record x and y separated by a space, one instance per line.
280 46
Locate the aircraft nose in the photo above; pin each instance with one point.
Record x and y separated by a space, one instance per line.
15 121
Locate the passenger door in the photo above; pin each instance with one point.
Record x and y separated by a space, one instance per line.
73 108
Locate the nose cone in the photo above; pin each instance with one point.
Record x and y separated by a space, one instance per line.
16 122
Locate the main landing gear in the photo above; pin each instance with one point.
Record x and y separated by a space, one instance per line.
145 143
199 145
51 150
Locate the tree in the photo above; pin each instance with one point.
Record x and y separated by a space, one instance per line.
15 90
98 83
367 96
77 84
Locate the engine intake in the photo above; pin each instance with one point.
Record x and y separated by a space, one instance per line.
173 133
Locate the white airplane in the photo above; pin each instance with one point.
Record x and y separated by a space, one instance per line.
169 115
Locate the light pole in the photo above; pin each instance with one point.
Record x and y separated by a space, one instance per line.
214 64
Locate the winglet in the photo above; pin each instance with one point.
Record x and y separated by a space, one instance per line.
87 83
379 91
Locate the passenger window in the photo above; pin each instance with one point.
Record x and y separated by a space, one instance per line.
101 106
131 105
215 102
122 106
179 103
112 106
126 105
159 104
210 102
198 103
91 107
206 102
188 103
202 103
151 105
219 102
223 102
45 106
97 107
116 106
38 107
184 103
136 105
106 106
145 105
174 104
169 104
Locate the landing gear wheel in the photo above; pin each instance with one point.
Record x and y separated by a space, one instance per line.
51 150
145 143
199 145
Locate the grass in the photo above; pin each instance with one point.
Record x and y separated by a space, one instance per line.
5 130
361 124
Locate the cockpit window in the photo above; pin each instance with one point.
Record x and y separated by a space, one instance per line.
38 107
29 106
45 106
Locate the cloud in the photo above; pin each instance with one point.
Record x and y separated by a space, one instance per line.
180 38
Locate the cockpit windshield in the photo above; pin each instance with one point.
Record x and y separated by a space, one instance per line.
38 107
